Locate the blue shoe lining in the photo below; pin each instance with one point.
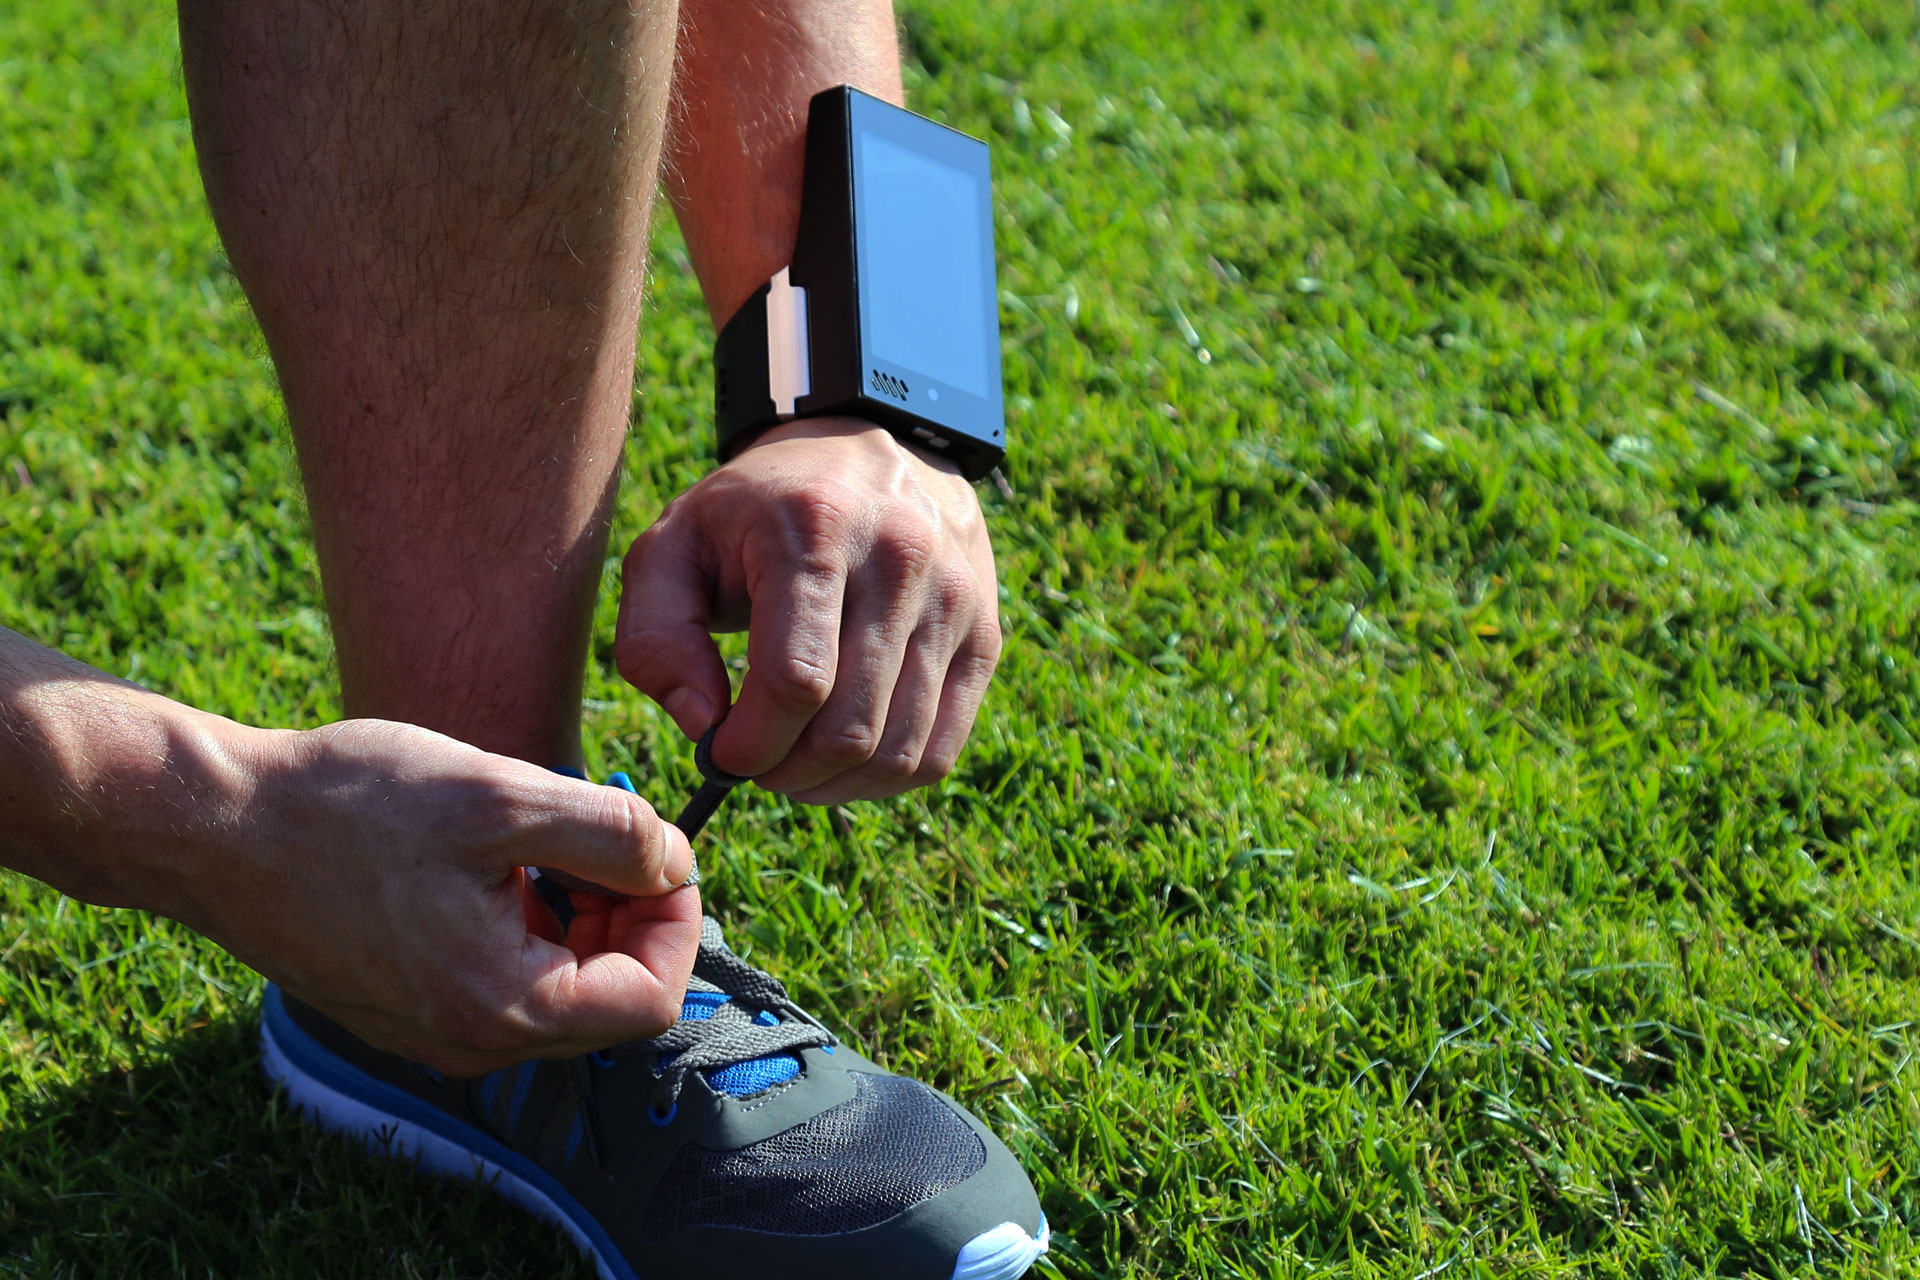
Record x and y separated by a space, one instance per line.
737 1079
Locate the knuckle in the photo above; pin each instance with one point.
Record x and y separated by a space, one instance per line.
634 652
987 644
954 593
895 764
471 1030
496 808
636 557
646 548
449 1062
797 681
849 744
906 547
620 815
936 764
818 517
660 1010
642 834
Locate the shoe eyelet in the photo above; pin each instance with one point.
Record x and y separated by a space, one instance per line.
601 1060
826 1048
663 1120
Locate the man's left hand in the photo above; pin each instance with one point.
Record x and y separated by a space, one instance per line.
862 572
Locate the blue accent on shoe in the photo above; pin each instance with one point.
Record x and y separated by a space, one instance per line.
698 1006
742 1078
737 1079
313 1058
623 782
568 771
520 1088
663 1120
602 1060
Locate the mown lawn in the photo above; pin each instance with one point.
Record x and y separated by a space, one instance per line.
1449 805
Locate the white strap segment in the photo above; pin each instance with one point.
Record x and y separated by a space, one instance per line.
789 363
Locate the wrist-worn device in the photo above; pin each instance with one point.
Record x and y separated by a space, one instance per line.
889 311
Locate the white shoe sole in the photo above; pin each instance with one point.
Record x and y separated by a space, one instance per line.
1003 1253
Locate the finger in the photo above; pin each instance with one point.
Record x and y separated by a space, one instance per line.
601 835
573 1005
549 1002
966 684
540 919
405 1039
793 659
592 921
663 641
913 706
605 923
631 919
845 733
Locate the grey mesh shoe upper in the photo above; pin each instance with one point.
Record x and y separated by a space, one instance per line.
854 1166
744 1142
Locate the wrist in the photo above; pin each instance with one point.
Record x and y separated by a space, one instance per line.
854 429
224 786
132 800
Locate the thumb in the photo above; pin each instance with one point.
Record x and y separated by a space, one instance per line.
663 642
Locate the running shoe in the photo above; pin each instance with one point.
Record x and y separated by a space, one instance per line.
746 1142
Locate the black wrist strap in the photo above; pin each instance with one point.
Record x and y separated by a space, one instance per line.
742 400
763 375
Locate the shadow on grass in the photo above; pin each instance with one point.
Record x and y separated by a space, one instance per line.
187 1165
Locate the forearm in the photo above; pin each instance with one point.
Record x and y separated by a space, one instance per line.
112 794
739 124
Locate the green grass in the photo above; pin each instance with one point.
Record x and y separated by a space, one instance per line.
1449 805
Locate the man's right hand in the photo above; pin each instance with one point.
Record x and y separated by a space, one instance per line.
373 869
379 878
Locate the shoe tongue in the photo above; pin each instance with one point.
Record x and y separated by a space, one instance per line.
736 1079
700 1006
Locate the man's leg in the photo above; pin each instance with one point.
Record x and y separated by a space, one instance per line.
439 213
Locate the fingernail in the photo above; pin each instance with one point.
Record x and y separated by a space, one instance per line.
678 867
690 710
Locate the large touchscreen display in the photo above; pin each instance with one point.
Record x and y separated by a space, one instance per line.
925 241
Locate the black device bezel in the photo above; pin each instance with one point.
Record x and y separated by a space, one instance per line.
845 376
